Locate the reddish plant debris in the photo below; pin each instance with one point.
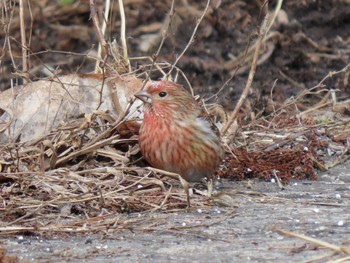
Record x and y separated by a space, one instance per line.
295 163
7 259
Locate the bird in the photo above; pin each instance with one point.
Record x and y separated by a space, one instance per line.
175 135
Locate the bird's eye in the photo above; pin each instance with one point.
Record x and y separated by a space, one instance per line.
162 94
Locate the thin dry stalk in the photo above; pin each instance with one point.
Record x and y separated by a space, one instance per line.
311 91
261 36
104 26
275 13
155 56
278 180
123 33
246 90
191 39
316 241
101 39
341 260
24 43
330 74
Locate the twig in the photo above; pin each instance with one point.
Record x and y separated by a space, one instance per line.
24 43
277 9
155 56
314 240
104 26
246 90
341 159
164 33
342 260
123 33
261 36
191 39
329 75
317 107
100 35
183 182
164 36
87 149
278 180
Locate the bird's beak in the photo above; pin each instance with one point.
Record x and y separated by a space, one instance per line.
144 96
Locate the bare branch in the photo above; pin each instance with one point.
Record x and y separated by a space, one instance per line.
24 43
191 39
266 25
104 26
123 32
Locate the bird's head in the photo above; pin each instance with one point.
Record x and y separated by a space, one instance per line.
167 99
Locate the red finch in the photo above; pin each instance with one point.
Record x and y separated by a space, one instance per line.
174 136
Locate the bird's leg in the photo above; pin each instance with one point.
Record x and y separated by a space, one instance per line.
186 187
210 187
183 182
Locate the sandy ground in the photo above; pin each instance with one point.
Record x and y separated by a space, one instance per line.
320 209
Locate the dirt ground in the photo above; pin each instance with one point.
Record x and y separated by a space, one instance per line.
309 40
319 209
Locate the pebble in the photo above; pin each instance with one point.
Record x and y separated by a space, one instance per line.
340 223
